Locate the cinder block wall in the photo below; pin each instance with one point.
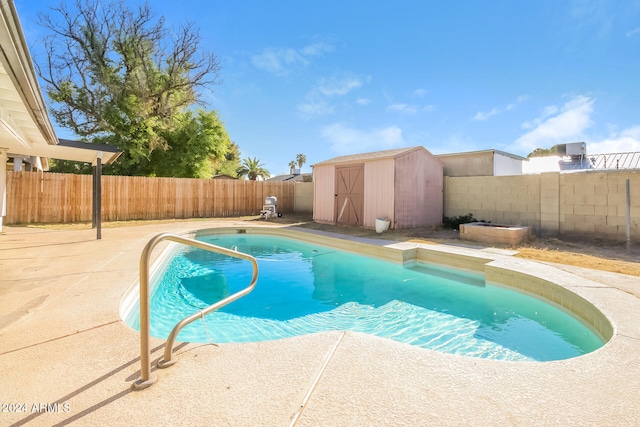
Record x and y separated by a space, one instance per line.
498 199
581 203
596 204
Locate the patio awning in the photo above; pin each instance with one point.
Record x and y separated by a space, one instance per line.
25 127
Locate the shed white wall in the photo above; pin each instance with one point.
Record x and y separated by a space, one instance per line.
541 165
324 177
479 163
506 166
379 200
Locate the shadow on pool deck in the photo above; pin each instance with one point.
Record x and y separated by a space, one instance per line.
62 341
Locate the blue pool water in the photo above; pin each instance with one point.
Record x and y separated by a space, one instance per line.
305 288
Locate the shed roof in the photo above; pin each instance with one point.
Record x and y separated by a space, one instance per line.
375 155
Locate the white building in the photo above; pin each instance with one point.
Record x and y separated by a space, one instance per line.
482 163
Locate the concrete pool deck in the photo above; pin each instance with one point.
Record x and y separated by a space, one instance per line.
67 358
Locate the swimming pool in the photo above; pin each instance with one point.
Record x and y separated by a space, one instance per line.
307 288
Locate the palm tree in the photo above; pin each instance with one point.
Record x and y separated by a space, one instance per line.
301 159
252 169
292 166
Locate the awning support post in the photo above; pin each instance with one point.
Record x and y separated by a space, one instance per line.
96 218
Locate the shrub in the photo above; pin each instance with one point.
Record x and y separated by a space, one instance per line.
455 221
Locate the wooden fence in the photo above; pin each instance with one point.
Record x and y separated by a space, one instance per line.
36 197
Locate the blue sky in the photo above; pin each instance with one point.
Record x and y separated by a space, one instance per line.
329 78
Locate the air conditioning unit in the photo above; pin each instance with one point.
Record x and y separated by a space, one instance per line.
572 149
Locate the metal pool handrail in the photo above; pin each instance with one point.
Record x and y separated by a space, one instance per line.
146 378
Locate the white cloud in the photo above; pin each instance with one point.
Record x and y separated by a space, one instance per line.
345 140
625 141
317 108
317 49
633 32
363 101
280 61
419 93
404 108
550 110
557 125
591 17
317 100
409 108
338 85
482 116
547 111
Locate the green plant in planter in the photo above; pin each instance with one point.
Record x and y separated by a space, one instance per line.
455 221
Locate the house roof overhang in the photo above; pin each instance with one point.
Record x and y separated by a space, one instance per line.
25 127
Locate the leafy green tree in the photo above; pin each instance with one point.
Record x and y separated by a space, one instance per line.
69 166
252 169
292 166
301 159
229 164
198 137
118 76
543 152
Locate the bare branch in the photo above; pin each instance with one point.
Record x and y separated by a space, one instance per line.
102 55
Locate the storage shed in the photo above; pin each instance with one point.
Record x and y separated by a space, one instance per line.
403 185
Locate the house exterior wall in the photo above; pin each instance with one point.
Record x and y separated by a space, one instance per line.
378 191
468 164
506 166
323 193
418 190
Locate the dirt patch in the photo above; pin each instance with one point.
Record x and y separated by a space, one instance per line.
588 253
593 253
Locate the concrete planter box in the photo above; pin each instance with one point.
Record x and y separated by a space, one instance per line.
510 235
